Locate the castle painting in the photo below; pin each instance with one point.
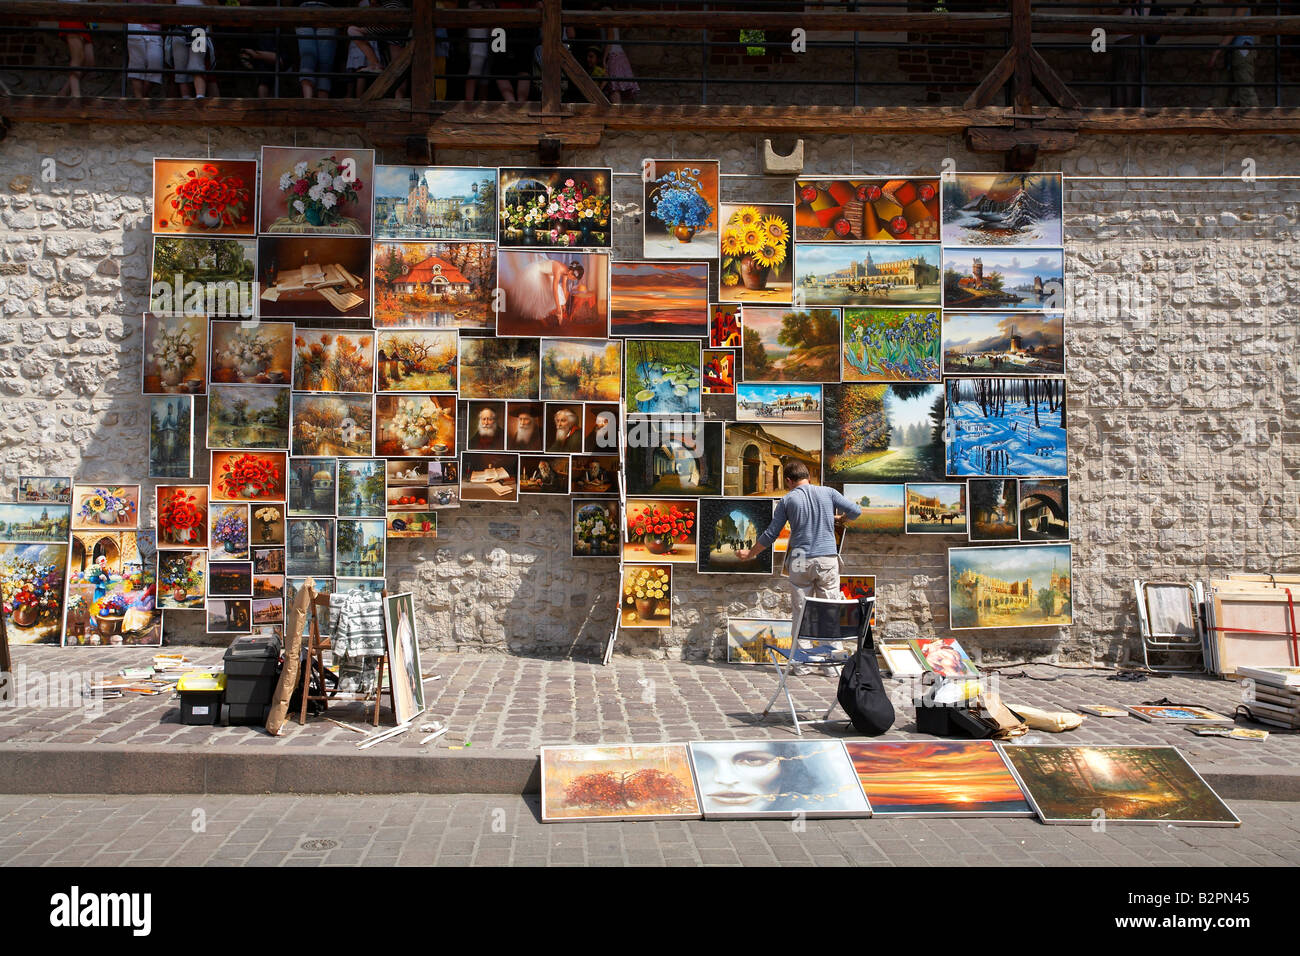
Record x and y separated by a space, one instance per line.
1004 279
1012 586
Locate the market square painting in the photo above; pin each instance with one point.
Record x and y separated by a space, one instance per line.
581 370
105 506
334 425
361 488
525 426
756 454
749 638
741 779
435 202
35 523
415 426
489 476
333 360
112 590
182 516
730 525
647 596
869 274
32 587
228 532
661 530
937 778
312 486
553 293
878 209
248 475
182 580
171 436
231 579
936 508
175 354
638 782
313 277
205 196
544 474
311 547
601 425
1003 343
359 548
891 345
884 433
757 263
680 204
659 299
674 458
1001 279
328 192
725 326
247 417
994 509
1044 509
416 361
45 488
229 616
594 474
1002 209
435 285
662 376
883 511
1025 585
597 532
1069 784
554 207
719 367
787 345
778 403
201 276
1006 426
256 353
499 368
268 611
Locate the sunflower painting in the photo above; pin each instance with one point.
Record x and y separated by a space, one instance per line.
757 255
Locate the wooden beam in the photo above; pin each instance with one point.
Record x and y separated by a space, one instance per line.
868 21
213 16
347 113
582 79
989 86
552 45
983 139
388 80
1056 89
422 38
1175 120
1084 24
1022 44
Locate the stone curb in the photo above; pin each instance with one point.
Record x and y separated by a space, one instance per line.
109 770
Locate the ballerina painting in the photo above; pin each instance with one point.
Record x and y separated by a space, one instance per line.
554 293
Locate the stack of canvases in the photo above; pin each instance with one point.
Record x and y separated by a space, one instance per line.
753 779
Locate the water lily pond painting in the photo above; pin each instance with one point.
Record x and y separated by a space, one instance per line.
662 377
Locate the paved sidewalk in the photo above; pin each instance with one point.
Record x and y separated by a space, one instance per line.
478 830
499 703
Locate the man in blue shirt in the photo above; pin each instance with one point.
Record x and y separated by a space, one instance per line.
813 513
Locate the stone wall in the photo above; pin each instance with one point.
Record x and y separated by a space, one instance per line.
1181 337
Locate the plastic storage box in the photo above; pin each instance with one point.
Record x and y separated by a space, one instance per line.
201 695
252 670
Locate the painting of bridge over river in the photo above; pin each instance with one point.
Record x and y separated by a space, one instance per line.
1012 427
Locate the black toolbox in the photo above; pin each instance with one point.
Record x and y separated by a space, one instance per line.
252 665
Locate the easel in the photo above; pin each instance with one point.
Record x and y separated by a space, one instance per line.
316 644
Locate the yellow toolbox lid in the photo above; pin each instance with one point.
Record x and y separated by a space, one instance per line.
201 681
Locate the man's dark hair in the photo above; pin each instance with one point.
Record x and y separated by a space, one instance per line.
795 471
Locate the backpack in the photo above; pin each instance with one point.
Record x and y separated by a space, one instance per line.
862 690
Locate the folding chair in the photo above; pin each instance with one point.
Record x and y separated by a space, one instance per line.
1170 626
823 629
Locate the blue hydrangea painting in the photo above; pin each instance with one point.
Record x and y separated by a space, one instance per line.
681 208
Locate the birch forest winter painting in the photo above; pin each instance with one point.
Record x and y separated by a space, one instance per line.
1012 427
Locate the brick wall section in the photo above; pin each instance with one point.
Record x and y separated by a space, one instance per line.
1185 446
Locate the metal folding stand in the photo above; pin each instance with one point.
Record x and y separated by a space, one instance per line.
1184 640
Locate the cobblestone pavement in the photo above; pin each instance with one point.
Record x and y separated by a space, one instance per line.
497 702
483 830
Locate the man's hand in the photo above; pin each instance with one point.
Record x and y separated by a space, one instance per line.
745 554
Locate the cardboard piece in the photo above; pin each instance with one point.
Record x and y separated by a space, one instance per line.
298 612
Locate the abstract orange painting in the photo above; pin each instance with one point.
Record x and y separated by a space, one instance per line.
644 782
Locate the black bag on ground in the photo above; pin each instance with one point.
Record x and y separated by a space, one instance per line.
862 690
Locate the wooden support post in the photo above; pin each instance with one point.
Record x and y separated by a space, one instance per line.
1022 45
393 74
422 43
552 53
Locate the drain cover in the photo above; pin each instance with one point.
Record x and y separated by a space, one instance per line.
319 845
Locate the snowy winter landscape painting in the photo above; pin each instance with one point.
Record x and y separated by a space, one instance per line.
1006 426
1002 209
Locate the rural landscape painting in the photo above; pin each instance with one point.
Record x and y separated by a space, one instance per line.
787 345
883 510
499 368
1004 343
886 433
1026 585
749 638
416 360
1006 426
248 416
581 370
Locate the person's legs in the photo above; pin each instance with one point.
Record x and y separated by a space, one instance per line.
307 60
326 45
76 59
1243 74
